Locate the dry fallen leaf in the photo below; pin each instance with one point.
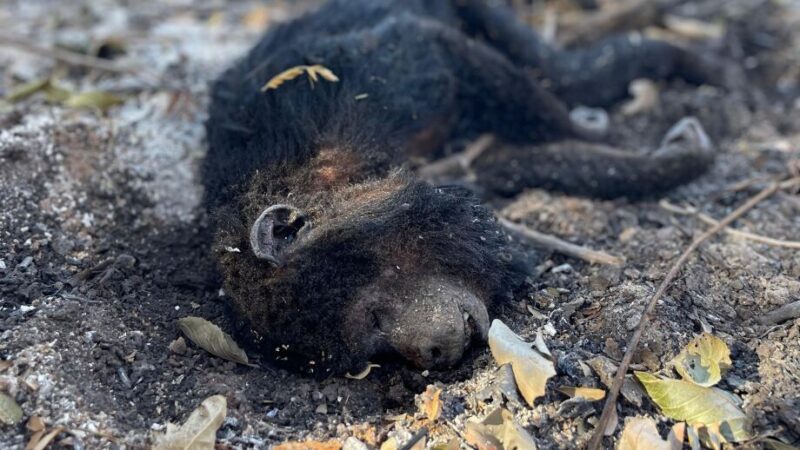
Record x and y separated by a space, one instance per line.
693 29
711 408
591 394
704 360
10 412
45 440
212 339
774 444
531 368
314 73
37 427
309 445
5 365
452 444
27 89
257 18
93 100
431 404
199 432
645 98
498 431
640 433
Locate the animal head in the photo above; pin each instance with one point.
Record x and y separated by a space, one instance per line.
333 275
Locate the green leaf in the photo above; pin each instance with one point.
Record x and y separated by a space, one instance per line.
96 99
10 412
704 360
212 339
710 408
26 90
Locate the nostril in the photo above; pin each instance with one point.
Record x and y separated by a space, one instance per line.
436 353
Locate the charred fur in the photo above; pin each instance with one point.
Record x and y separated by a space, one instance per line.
358 246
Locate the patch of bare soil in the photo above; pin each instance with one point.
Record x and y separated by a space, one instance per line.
103 246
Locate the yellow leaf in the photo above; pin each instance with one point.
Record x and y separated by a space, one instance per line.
97 99
431 404
199 432
313 72
212 339
531 368
324 72
640 433
712 408
591 394
703 360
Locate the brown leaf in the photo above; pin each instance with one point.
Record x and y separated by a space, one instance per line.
5 365
199 432
35 423
431 403
309 445
257 18
42 443
212 339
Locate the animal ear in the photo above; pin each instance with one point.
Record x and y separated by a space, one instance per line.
275 230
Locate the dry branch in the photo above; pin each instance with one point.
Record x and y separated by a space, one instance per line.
64 56
619 378
559 245
782 314
732 231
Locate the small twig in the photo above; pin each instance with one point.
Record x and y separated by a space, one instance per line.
457 165
64 56
559 245
421 433
732 231
782 314
620 16
619 378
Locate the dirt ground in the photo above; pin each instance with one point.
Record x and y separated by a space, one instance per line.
103 245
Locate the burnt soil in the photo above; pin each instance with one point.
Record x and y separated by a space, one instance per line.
103 245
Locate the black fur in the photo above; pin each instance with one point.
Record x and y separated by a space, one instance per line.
416 78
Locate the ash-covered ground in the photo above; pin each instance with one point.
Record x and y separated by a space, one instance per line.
103 245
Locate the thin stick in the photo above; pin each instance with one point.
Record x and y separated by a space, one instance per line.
732 231
619 378
782 314
64 56
559 245
459 163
